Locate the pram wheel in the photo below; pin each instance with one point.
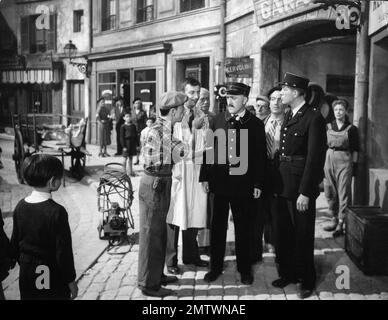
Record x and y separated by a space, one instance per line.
116 241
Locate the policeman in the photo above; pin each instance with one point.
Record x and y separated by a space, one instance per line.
235 184
159 153
302 156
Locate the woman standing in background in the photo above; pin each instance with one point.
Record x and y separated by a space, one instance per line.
104 128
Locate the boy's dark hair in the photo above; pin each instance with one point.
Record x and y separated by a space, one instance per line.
191 81
38 169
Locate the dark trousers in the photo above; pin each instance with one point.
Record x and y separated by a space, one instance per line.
118 140
263 223
190 252
242 209
295 243
58 289
154 201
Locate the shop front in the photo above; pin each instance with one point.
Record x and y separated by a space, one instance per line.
133 74
305 38
35 85
378 100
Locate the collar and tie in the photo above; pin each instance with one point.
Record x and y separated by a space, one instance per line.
270 138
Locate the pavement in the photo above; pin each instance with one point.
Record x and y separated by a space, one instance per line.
112 274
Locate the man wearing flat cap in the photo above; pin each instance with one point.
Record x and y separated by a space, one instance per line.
159 152
235 175
302 156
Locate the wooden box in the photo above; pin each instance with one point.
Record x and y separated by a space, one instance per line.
366 240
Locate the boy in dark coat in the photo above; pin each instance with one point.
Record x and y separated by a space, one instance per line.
41 238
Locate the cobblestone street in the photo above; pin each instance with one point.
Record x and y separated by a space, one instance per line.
112 275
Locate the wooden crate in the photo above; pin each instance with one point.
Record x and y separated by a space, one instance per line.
366 240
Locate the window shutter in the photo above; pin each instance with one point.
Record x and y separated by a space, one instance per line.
25 39
52 33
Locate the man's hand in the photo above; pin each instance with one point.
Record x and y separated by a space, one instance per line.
205 186
257 193
302 204
73 290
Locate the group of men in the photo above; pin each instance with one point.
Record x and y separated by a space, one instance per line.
260 169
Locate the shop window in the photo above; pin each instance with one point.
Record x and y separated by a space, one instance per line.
35 40
145 87
76 98
145 10
40 99
109 17
188 5
107 86
77 20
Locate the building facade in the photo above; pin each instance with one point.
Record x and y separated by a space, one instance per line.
143 48
36 75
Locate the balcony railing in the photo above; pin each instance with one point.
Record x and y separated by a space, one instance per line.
145 14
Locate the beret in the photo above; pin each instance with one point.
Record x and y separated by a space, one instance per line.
172 99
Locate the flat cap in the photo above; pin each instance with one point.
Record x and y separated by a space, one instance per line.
238 88
172 99
295 81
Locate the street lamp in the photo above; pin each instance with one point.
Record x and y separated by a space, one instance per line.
70 50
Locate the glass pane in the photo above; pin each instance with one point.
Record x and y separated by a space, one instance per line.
109 77
146 92
145 75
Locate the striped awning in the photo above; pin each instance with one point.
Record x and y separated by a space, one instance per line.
31 76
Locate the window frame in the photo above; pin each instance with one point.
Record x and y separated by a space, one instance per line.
78 20
28 35
191 9
144 7
104 17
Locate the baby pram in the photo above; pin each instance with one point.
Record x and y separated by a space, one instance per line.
115 197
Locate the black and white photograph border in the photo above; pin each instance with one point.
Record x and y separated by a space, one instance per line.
93 82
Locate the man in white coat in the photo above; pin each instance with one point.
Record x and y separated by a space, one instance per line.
188 207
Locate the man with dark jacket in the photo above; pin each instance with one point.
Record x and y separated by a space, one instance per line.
236 179
302 157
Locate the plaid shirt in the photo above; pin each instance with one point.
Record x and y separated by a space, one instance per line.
161 148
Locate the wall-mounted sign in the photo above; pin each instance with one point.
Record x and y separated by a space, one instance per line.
239 67
270 11
39 61
378 16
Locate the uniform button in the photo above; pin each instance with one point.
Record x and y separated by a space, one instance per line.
284 141
230 157
231 148
283 148
296 134
286 129
283 154
232 140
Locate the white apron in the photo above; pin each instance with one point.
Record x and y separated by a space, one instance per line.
188 207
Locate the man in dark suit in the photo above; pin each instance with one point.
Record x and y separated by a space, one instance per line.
235 175
118 113
302 157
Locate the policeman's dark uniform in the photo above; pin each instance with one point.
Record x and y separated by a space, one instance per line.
235 191
302 156
159 152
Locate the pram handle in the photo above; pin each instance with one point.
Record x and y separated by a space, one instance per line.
111 164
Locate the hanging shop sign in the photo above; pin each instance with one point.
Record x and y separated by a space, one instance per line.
378 16
239 67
